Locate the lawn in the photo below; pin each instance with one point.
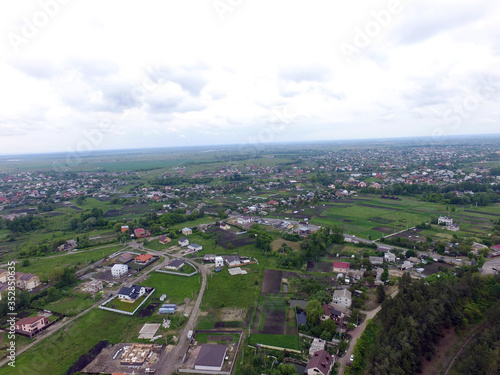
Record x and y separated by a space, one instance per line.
71 305
177 288
126 306
56 354
44 265
203 338
281 341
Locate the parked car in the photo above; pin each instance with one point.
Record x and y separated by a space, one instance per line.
352 357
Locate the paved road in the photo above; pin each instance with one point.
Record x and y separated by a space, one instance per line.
174 358
356 334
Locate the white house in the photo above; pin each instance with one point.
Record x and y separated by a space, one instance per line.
130 294
389 257
342 297
446 220
183 242
118 270
187 231
244 220
195 247
219 262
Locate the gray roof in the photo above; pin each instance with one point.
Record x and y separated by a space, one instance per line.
176 263
211 355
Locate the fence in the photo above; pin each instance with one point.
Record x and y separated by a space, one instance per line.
102 307
180 273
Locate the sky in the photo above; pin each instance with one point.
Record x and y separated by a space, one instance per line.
83 75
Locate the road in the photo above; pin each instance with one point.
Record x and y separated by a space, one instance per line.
175 356
356 334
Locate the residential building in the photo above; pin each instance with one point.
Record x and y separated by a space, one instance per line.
389 257
376 261
331 313
195 247
445 220
224 226
118 270
94 286
143 258
164 240
141 233
320 363
27 281
244 220
341 267
4 274
342 297
31 324
132 293
187 231
219 262
232 260
316 346
124 228
125 257
211 357
209 258
183 242
175 264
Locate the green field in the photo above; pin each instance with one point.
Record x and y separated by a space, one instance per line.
72 305
126 306
44 265
177 288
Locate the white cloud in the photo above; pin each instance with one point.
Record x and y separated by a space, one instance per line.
172 73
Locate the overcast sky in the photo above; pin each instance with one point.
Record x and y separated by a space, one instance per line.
88 74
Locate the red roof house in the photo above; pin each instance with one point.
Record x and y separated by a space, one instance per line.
143 258
341 267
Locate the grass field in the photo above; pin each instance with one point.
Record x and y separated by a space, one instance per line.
44 265
282 341
71 305
55 354
177 288
126 306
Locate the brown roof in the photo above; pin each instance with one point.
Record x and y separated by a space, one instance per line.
322 360
143 257
211 355
29 320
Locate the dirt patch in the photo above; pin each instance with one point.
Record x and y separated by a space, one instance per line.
435 267
276 244
272 282
231 315
384 229
444 353
381 220
319 266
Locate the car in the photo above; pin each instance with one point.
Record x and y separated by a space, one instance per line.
458 260
352 357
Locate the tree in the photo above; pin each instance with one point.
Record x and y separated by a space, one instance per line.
286 369
329 326
380 293
385 275
314 311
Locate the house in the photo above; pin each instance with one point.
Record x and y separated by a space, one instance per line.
405 265
27 281
445 220
495 248
330 313
68 246
187 231
341 267
219 262
342 297
233 260
183 242
3 288
303 231
167 309
125 258
195 247
175 264
142 233
124 228
478 246
414 260
453 227
143 258
118 270
376 261
164 240
211 357
209 258
224 226
316 346
320 363
130 294
389 257
94 286
31 324
4 274
244 220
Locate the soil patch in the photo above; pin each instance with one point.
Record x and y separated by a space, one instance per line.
272 282
384 229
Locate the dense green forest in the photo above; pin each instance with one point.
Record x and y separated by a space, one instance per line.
409 326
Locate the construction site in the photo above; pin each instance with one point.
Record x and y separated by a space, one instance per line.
139 358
